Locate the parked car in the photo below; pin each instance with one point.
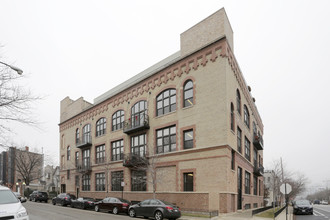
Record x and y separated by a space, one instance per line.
302 207
18 195
155 208
83 203
316 202
324 202
10 206
115 205
36 196
64 199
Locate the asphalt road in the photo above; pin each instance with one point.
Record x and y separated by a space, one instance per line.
321 212
42 211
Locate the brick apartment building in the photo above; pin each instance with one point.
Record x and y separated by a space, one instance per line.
12 161
191 115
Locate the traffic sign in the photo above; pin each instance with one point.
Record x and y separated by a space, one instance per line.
288 188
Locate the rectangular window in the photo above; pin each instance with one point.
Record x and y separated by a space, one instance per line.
247 149
86 159
100 154
188 182
77 180
138 145
116 178
239 140
77 158
166 139
255 185
138 180
86 181
247 182
99 182
255 157
232 159
188 139
117 150
68 174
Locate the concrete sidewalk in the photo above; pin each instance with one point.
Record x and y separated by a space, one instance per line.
243 216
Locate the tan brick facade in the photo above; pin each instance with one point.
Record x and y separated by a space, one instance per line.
216 78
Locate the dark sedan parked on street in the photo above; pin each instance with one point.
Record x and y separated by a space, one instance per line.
36 196
83 203
115 205
64 199
155 208
302 207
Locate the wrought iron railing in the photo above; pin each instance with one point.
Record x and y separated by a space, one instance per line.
136 123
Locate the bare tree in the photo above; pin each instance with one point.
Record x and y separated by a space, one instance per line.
150 165
29 165
15 102
281 174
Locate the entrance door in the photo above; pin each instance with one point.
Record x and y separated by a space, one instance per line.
77 192
239 188
63 188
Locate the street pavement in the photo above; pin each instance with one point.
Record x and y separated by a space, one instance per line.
41 211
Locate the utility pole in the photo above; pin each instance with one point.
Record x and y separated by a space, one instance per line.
285 194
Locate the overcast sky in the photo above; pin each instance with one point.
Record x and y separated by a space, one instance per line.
84 48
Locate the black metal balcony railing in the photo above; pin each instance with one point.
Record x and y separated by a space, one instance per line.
258 170
84 141
136 123
258 142
84 167
135 160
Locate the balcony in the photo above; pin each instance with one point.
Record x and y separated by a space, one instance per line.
84 141
258 142
84 168
135 160
137 123
258 170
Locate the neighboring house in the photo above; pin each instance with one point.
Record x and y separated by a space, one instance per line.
13 162
192 111
51 178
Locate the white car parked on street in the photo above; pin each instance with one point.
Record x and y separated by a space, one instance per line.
10 206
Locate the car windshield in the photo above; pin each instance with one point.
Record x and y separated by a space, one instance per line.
302 202
6 196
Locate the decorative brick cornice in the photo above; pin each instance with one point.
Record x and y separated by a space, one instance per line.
194 61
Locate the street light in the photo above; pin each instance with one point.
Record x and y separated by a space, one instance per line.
18 70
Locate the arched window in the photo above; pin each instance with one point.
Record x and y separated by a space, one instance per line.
77 135
238 101
87 134
117 120
246 116
139 113
68 155
101 126
188 93
232 117
166 102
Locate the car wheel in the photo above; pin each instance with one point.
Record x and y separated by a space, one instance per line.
54 203
132 213
96 208
115 211
158 215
